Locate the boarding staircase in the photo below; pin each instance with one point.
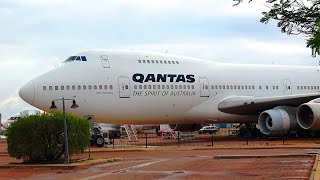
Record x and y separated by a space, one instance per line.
131 132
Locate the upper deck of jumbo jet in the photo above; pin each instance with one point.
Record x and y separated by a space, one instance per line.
124 56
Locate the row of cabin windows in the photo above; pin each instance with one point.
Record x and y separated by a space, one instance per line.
163 86
158 62
307 87
239 87
78 87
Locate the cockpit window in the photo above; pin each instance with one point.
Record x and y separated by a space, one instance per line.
75 58
71 58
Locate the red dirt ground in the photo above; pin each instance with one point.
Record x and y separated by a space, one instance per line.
186 162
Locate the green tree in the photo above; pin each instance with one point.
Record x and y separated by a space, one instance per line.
41 138
295 17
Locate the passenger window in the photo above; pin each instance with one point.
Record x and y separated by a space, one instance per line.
172 87
176 86
252 87
168 87
188 86
297 87
145 87
152 61
242 87
245 86
159 87
44 88
148 61
180 86
100 86
154 87
84 87
234 87
220 87
73 87
163 87
95 87
160 62
216 86
79 87
231 87
308 87
184 86
249 87
62 87
165 62
273 87
317 87
238 86
177 62
192 86
173 62
266 87
169 62
144 61
305 87
140 86
111 87
157 61
68 87
139 61
105 86
126 86
227 86
224 87
149 86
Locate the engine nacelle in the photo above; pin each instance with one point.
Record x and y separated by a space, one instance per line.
185 127
308 115
278 121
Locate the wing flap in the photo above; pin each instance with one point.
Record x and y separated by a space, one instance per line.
249 105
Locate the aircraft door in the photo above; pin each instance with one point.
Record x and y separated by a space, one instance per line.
204 87
287 89
124 87
105 61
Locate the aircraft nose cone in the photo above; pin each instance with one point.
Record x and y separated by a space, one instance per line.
26 92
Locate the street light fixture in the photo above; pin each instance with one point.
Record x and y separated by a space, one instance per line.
74 105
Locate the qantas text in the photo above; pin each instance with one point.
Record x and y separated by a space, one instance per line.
138 77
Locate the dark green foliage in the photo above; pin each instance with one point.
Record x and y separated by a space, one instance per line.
41 138
295 17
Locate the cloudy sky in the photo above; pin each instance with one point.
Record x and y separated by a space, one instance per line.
36 35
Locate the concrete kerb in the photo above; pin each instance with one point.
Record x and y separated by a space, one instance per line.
80 164
261 156
315 171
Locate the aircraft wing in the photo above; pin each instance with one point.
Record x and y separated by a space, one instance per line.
249 105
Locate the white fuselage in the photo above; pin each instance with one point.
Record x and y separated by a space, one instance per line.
125 87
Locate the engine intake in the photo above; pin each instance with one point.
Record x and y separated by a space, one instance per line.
277 121
308 115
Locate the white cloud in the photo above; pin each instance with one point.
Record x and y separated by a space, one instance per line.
107 9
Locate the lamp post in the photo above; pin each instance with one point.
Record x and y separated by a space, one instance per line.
74 105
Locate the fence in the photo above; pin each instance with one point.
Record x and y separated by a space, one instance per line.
227 138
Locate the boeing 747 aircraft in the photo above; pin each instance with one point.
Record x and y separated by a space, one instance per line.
131 87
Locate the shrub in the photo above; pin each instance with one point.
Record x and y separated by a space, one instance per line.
41 137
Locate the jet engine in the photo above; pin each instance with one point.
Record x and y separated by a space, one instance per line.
185 127
278 121
308 115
